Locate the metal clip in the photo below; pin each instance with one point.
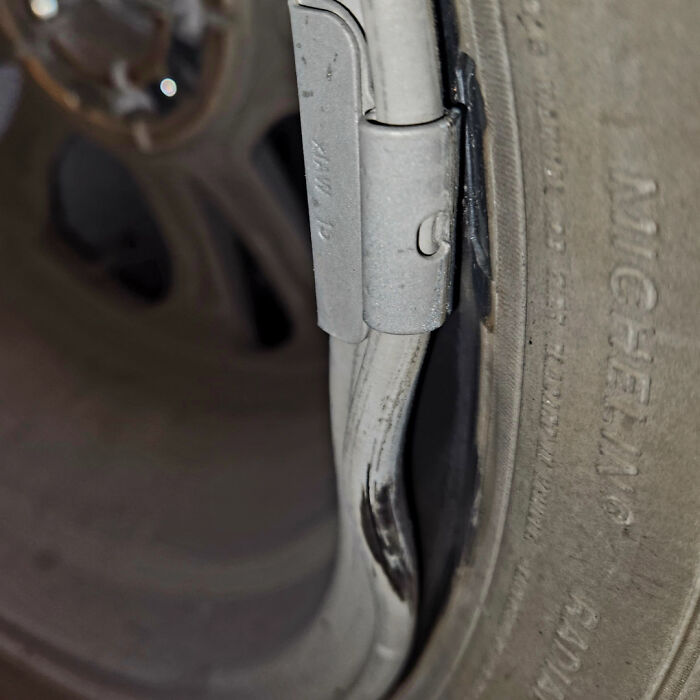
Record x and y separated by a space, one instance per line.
382 198
409 193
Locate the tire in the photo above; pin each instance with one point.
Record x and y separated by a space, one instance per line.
581 579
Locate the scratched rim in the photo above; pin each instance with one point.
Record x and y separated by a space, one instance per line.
219 670
225 661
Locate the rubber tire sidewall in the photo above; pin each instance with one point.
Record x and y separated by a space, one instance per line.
582 579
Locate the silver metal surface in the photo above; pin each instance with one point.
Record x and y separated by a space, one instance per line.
381 198
405 63
329 63
409 181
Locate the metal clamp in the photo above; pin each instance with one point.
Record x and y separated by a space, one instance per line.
382 198
409 190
